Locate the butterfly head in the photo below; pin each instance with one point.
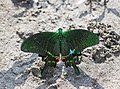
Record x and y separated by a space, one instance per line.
60 30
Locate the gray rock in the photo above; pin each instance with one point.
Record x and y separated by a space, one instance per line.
99 56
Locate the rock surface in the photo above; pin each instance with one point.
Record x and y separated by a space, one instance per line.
100 66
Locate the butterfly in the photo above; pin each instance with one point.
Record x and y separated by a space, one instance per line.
56 46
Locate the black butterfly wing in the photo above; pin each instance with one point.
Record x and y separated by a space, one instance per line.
78 39
42 42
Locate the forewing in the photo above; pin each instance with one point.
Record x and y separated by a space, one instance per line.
42 42
78 39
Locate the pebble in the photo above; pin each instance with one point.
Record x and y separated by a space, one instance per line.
52 87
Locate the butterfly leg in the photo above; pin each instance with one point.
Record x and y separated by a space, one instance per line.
44 70
49 62
71 61
73 64
76 69
76 61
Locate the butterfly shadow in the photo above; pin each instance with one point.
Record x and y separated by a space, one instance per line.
84 80
50 78
77 81
17 74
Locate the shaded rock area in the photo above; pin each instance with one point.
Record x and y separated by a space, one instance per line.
99 65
